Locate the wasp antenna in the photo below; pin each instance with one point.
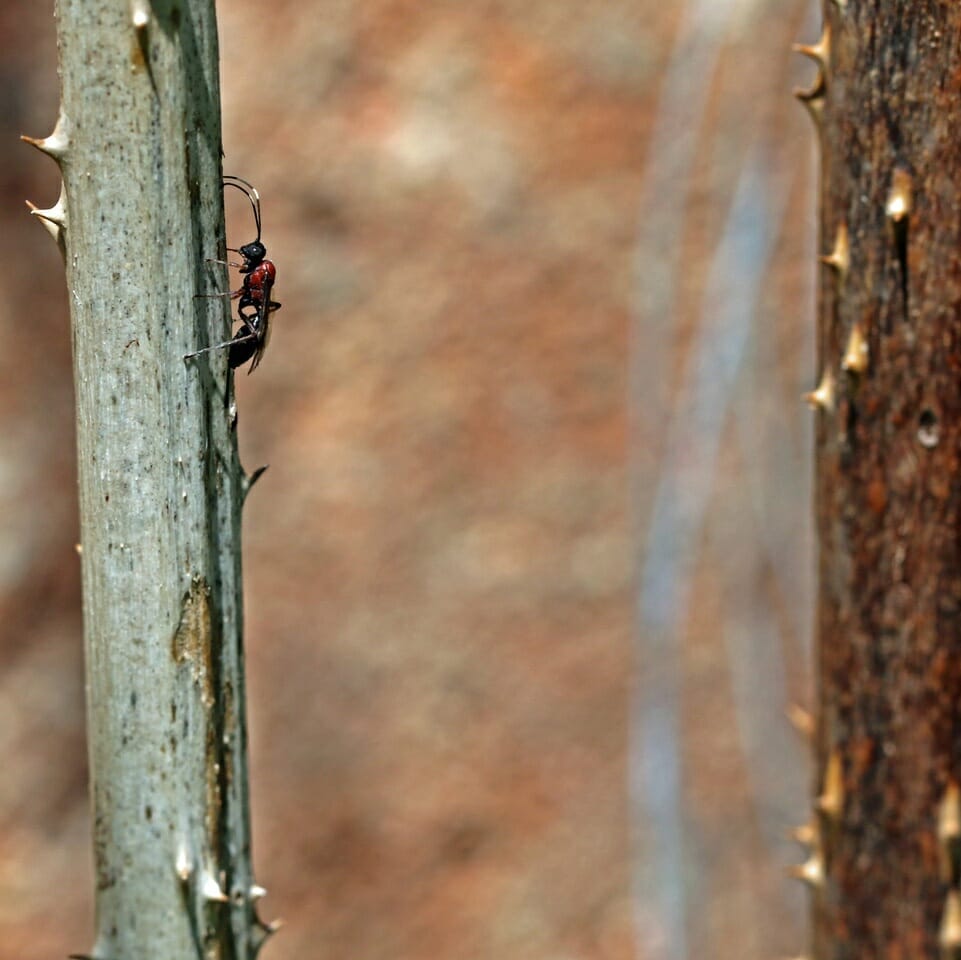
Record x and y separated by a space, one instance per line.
246 183
247 188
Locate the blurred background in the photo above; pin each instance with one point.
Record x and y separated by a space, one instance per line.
529 581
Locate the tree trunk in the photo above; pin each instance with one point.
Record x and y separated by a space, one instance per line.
884 865
161 487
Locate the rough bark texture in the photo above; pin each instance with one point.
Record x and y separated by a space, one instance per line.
138 142
883 865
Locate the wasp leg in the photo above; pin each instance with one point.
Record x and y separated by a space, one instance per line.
249 312
222 346
229 263
233 294
249 318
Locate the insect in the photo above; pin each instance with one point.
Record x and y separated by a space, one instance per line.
255 306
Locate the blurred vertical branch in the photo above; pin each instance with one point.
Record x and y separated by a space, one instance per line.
885 845
161 486
720 470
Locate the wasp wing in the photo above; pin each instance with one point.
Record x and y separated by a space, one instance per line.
261 322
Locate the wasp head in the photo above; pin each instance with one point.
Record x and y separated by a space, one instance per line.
253 253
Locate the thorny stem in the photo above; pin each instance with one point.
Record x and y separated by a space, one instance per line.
161 486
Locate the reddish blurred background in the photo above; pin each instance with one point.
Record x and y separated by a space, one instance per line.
529 579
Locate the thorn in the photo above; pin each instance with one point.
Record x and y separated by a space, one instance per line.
949 934
839 259
806 834
817 91
183 866
821 398
140 14
949 813
802 720
813 99
248 482
256 892
52 214
268 929
831 801
56 144
811 872
262 932
898 206
211 889
819 52
949 832
140 56
53 221
855 358
43 144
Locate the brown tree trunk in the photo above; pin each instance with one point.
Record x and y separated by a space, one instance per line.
884 865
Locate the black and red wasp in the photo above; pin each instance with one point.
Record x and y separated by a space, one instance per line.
255 306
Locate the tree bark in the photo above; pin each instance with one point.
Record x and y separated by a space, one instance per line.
884 863
161 487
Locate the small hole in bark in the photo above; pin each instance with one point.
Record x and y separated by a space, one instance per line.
928 428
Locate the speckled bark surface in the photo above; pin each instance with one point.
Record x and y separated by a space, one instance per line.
888 486
138 143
